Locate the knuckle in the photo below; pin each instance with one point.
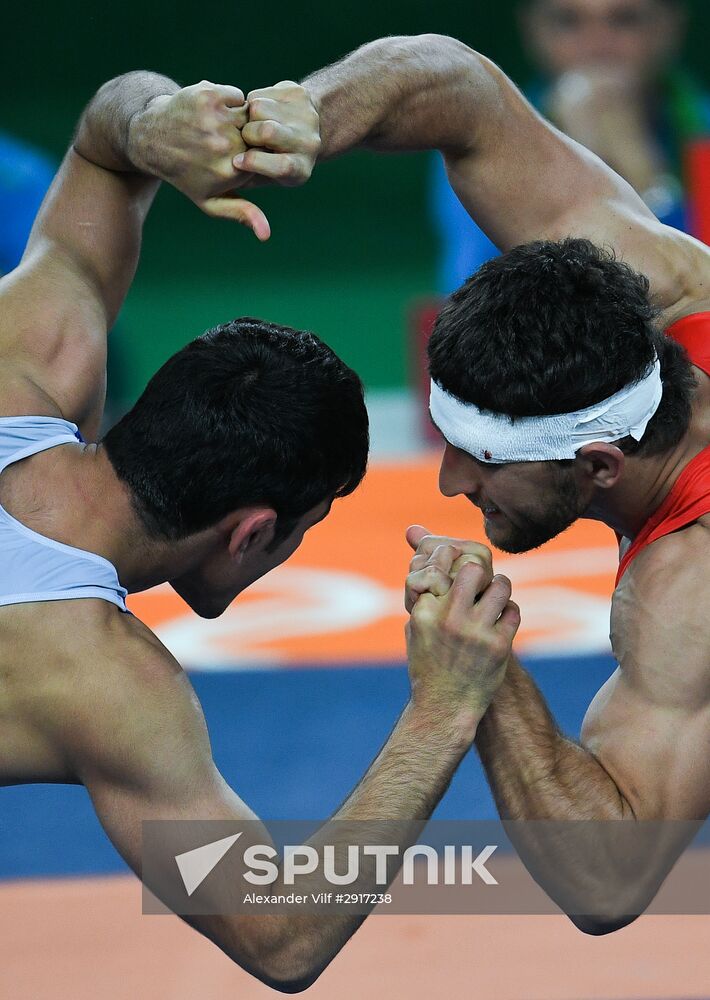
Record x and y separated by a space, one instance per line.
427 545
205 95
450 628
268 131
498 646
250 133
223 172
259 106
289 169
423 610
469 559
217 144
442 551
417 615
313 145
251 160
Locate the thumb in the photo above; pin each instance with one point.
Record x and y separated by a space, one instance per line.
509 621
415 533
239 210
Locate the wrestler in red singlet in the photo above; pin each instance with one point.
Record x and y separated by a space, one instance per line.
690 497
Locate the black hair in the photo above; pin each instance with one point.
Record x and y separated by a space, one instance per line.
556 327
248 413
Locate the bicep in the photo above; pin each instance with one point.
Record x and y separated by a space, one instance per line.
655 754
523 180
649 726
155 765
56 307
146 757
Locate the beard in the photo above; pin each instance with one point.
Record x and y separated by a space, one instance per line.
536 528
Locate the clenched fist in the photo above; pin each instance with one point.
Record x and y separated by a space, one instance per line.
283 133
190 140
462 625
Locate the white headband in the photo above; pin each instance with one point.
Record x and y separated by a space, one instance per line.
498 438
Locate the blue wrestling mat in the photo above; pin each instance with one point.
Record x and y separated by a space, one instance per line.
293 743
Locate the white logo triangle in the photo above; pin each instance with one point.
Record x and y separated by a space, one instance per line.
196 865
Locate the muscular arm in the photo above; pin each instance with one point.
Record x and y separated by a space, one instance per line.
56 307
517 176
79 263
135 736
642 755
600 823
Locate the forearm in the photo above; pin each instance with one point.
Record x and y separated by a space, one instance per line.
387 809
105 134
534 771
403 93
601 871
90 224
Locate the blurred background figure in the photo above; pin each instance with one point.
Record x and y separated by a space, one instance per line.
25 175
608 76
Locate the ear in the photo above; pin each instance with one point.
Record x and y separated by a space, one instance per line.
249 530
602 463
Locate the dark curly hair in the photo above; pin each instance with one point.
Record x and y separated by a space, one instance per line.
555 327
248 413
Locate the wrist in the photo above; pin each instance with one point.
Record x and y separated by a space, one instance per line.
451 726
141 145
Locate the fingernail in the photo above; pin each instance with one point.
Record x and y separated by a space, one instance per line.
238 160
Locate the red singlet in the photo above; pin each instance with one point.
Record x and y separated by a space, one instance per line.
690 497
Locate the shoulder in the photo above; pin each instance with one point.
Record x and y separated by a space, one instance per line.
680 559
113 688
660 627
669 573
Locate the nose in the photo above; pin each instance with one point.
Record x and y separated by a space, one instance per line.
459 473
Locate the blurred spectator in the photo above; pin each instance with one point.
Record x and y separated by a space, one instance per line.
608 78
25 175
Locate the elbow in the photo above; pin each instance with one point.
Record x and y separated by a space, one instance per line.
453 52
292 969
288 977
289 984
280 957
597 925
443 51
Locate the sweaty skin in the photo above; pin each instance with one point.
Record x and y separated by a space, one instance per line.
643 749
